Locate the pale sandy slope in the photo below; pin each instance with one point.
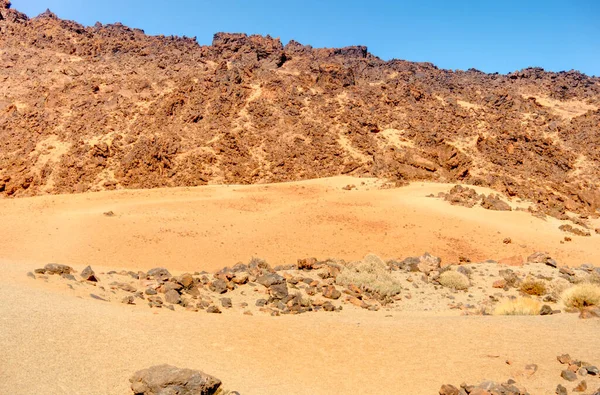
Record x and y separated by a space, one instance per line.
52 342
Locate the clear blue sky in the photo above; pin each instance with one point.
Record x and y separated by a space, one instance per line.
488 35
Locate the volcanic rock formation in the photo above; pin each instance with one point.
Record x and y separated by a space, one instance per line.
107 106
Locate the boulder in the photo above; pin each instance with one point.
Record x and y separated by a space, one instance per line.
55 268
428 263
170 380
172 296
449 389
330 292
159 273
275 283
88 274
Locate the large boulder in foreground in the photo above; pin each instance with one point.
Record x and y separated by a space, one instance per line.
170 380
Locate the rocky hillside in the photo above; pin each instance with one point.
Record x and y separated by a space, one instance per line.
107 106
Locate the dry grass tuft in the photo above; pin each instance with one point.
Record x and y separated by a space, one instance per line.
518 306
581 295
370 274
454 280
533 287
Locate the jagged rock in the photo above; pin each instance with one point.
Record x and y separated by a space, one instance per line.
88 274
219 286
159 273
55 268
428 263
167 379
330 292
275 283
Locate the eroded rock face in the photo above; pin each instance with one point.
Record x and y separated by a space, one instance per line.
405 120
170 380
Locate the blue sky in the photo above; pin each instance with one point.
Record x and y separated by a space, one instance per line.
491 36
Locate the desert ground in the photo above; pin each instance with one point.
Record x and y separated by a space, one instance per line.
56 339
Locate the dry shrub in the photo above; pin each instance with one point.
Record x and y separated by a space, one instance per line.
454 280
518 306
581 295
533 287
370 274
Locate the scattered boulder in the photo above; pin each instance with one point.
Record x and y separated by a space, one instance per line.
219 286
428 263
307 263
172 296
226 303
494 202
159 273
170 380
568 375
581 387
55 268
561 390
546 310
448 389
88 274
330 292
275 283
213 309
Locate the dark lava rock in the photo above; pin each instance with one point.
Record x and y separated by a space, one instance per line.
170 380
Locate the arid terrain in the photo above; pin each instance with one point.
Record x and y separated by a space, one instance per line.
290 219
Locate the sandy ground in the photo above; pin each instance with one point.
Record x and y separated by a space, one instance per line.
52 342
211 227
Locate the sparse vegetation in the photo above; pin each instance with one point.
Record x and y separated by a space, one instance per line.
581 295
454 280
533 287
370 274
518 306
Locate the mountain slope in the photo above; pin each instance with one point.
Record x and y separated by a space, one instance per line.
105 107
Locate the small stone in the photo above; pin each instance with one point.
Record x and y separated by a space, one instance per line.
57 268
582 386
328 306
29 274
507 240
261 302
499 283
592 370
226 303
68 276
561 390
568 375
128 300
213 309
240 278
88 274
564 359
248 312
546 310
582 372
330 292
150 291
449 389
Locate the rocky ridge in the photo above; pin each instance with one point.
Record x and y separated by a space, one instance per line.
107 106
